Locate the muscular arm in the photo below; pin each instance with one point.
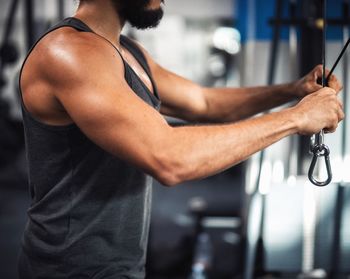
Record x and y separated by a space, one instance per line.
183 99
231 104
88 81
186 100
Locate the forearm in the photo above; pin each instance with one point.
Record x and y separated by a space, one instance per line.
232 104
198 152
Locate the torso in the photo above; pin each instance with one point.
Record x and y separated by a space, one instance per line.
80 193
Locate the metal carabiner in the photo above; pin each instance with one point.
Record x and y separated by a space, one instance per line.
321 150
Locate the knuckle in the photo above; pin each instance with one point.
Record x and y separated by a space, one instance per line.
333 100
332 91
342 115
333 118
328 91
334 125
330 129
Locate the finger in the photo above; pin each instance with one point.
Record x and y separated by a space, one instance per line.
333 78
331 129
317 72
341 115
340 103
327 91
316 86
319 68
327 72
334 83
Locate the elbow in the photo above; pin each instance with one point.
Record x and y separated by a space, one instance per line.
168 180
168 162
170 172
168 177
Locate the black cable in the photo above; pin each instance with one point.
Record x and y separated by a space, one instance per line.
7 32
318 148
8 52
338 59
339 202
29 22
324 35
60 8
10 20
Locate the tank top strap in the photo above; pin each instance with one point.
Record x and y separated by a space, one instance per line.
140 57
68 22
72 22
136 52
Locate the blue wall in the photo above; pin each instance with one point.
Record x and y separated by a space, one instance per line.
252 19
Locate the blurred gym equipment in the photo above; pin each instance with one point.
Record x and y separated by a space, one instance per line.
215 228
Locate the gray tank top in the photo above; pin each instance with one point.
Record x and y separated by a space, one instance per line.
90 211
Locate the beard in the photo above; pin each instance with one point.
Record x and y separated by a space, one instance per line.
138 15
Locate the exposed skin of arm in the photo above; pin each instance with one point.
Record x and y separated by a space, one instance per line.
186 100
231 104
88 80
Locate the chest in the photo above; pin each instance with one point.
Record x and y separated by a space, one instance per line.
138 70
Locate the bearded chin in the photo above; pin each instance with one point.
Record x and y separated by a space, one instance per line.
144 19
136 13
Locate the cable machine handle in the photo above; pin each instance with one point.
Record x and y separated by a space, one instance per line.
320 151
318 148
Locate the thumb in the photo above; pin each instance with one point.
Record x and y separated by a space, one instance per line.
316 86
317 72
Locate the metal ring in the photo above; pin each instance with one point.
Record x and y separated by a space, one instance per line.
321 150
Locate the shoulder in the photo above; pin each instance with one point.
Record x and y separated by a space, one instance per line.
68 54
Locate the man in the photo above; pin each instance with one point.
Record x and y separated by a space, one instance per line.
94 132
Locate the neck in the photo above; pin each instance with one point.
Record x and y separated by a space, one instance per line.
102 17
